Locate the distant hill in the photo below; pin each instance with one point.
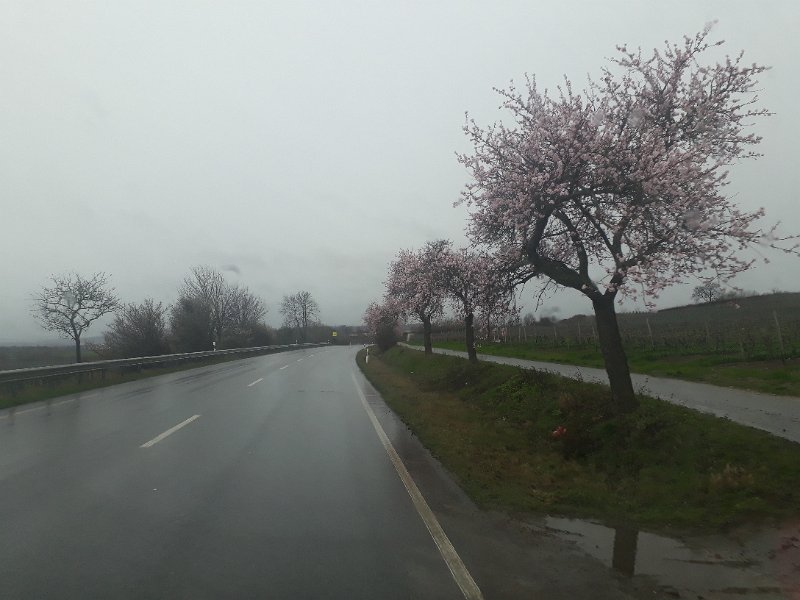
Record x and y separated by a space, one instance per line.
747 326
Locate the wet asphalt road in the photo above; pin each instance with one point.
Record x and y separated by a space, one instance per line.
779 415
280 489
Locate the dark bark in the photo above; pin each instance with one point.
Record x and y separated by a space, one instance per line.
426 335
619 375
78 349
470 335
626 540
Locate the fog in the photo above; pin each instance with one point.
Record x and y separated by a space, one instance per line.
300 145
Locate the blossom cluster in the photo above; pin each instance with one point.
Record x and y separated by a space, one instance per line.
622 183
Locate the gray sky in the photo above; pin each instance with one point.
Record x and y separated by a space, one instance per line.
306 142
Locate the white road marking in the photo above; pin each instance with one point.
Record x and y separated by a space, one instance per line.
255 382
310 355
169 431
284 366
299 360
457 568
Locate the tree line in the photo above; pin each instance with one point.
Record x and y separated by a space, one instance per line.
209 313
613 191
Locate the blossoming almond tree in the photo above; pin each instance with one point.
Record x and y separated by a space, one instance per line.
382 322
622 183
415 285
474 282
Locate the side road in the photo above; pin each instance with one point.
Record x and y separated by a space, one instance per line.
779 415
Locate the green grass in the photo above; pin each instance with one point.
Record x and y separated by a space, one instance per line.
73 384
770 376
664 466
21 357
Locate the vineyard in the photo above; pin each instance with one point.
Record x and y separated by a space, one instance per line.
754 328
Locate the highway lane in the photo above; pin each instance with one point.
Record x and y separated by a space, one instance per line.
259 478
278 487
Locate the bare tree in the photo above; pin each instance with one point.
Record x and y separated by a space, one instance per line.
210 309
299 310
190 325
208 286
247 309
708 292
73 303
247 312
138 330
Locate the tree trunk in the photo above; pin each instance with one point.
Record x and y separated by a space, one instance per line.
426 335
619 375
78 349
626 540
470 336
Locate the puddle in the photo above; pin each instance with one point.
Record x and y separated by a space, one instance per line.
752 565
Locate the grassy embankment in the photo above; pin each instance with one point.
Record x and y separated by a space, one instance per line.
81 383
665 467
770 376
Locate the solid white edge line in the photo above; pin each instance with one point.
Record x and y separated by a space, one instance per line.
283 367
169 431
457 567
255 382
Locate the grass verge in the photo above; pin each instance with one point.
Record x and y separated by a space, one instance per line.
83 382
769 376
664 466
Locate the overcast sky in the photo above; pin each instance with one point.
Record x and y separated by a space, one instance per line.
304 143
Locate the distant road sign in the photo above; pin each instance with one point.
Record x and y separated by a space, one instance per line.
333 334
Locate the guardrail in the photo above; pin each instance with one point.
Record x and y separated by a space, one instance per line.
12 381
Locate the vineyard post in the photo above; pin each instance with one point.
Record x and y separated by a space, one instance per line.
580 337
708 336
555 336
650 332
780 337
741 344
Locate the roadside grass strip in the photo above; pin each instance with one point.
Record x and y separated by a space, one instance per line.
530 441
446 549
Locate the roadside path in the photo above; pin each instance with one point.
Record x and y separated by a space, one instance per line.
779 415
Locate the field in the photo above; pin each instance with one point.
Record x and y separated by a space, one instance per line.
21 357
752 343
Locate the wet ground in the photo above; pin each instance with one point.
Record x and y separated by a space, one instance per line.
748 563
